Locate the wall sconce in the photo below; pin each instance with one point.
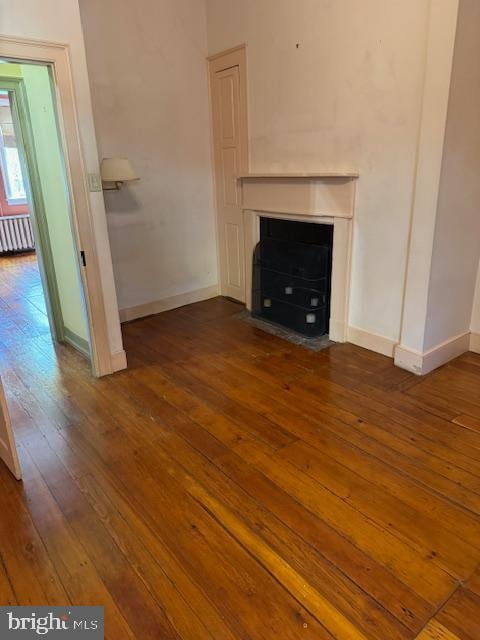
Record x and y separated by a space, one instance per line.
116 171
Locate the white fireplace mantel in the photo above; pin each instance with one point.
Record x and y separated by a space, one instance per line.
327 194
322 198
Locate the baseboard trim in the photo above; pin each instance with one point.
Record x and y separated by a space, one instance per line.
119 361
337 331
408 359
475 342
422 363
371 341
166 304
78 343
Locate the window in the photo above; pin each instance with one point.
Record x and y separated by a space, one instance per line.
10 160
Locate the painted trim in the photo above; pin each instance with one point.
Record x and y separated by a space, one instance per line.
409 360
371 341
77 342
166 304
341 264
445 352
220 54
8 448
99 292
422 363
119 361
475 342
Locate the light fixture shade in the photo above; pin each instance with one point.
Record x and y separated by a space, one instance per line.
117 170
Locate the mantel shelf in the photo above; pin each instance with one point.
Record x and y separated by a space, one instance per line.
306 194
325 174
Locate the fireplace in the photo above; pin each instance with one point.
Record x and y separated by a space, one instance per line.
291 284
323 201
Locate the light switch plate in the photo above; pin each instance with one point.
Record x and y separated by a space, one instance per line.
94 182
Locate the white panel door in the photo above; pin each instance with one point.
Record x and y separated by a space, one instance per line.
229 138
8 450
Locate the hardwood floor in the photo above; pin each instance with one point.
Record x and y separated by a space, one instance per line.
231 485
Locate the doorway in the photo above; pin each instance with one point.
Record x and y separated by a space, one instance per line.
37 240
75 124
41 292
230 145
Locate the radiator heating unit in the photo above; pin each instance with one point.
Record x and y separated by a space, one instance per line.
16 233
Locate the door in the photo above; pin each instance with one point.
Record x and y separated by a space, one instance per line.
230 142
8 450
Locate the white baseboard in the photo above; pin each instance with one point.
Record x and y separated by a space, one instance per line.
337 331
371 341
414 361
165 304
475 342
408 359
423 363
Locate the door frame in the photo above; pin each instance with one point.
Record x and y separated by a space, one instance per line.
8 448
233 57
57 56
26 148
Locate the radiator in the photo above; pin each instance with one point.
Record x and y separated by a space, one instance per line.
16 233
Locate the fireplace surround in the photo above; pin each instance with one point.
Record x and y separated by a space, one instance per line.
324 198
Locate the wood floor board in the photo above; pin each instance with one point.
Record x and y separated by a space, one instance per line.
436 631
75 567
7 593
312 435
461 615
231 485
198 476
190 611
350 472
30 573
445 441
219 564
396 555
452 518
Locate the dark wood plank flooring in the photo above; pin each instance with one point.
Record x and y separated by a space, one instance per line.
230 485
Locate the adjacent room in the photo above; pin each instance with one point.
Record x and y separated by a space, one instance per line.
240 319
42 291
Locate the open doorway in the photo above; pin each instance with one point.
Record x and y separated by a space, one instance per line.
41 290
40 282
89 298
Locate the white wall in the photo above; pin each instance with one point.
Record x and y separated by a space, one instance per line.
349 96
59 21
456 248
150 95
428 172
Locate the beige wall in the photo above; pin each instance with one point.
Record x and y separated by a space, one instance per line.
150 96
456 248
59 21
349 96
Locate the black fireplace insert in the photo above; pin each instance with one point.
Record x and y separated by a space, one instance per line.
292 275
